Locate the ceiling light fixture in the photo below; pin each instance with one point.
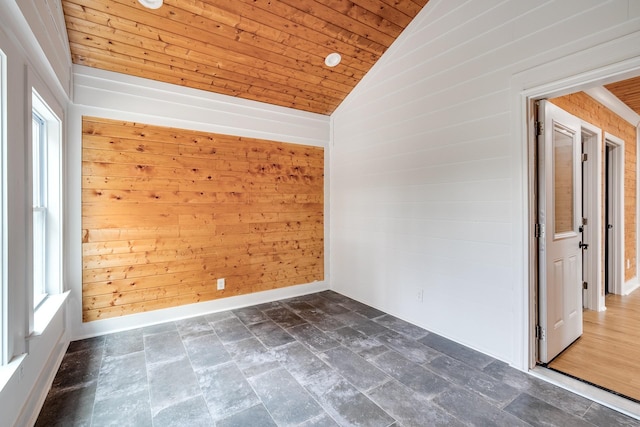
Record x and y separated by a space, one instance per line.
332 59
151 4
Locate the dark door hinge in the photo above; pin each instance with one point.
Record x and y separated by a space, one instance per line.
539 128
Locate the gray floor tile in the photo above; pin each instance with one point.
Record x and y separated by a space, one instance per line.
409 408
313 337
164 347
250 315
270 334
354 368
362 309
556 396
599 415
411 349
323 420
326 305
369 327
284 317
122 376
231 329
206 351
473 379
286 400
123 343
411 374
345 404
298 306
123 411
68 408
299 361
358 342
226 390
457 351
401 326
216 317
160 328
471 408
334 296
255 416
320 319
170 383
191 412
538 413
79 369
252 357
268 305
350 318
193 327
94 343
198 372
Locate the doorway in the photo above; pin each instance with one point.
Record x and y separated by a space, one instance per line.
610 168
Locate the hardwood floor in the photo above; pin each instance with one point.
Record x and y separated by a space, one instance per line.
608 353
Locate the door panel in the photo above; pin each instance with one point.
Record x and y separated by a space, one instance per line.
560 216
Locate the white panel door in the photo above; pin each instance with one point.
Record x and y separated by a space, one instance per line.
560 216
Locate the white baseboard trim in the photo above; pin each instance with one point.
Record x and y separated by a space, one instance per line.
630 286
138 320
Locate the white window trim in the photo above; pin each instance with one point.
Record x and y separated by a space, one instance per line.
54 264
4 332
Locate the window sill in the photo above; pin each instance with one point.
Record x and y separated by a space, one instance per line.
46 311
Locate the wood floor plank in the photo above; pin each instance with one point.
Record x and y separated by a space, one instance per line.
607 354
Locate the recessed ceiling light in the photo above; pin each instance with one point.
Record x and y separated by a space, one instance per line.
151 4
332 59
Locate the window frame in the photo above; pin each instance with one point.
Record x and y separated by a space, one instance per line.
39 201
52 194
4 333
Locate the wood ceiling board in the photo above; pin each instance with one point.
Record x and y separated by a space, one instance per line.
265 50
628 91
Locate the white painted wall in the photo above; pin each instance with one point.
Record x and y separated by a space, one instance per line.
34 351
115 96
429 166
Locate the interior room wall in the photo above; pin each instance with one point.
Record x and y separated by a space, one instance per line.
167 213
429 168
33 355
133 100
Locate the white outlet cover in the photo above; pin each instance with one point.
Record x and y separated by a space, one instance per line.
220 284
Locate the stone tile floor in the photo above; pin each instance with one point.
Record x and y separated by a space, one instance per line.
316 360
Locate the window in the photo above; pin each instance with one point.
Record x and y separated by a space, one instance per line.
38 126
46 184
3 206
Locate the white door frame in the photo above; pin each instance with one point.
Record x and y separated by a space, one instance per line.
616 206
524 96
592 210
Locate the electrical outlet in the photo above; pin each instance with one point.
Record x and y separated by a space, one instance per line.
628 263
220 284
420 295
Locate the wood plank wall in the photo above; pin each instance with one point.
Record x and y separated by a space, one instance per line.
166 212
588 109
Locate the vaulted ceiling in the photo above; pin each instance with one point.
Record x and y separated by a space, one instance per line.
627 91
265 50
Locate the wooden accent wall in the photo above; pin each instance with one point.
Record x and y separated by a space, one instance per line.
588 109
166 212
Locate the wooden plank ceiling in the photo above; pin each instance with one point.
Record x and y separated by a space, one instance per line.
265 50
628 91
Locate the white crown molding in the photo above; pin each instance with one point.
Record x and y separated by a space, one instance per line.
613 103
